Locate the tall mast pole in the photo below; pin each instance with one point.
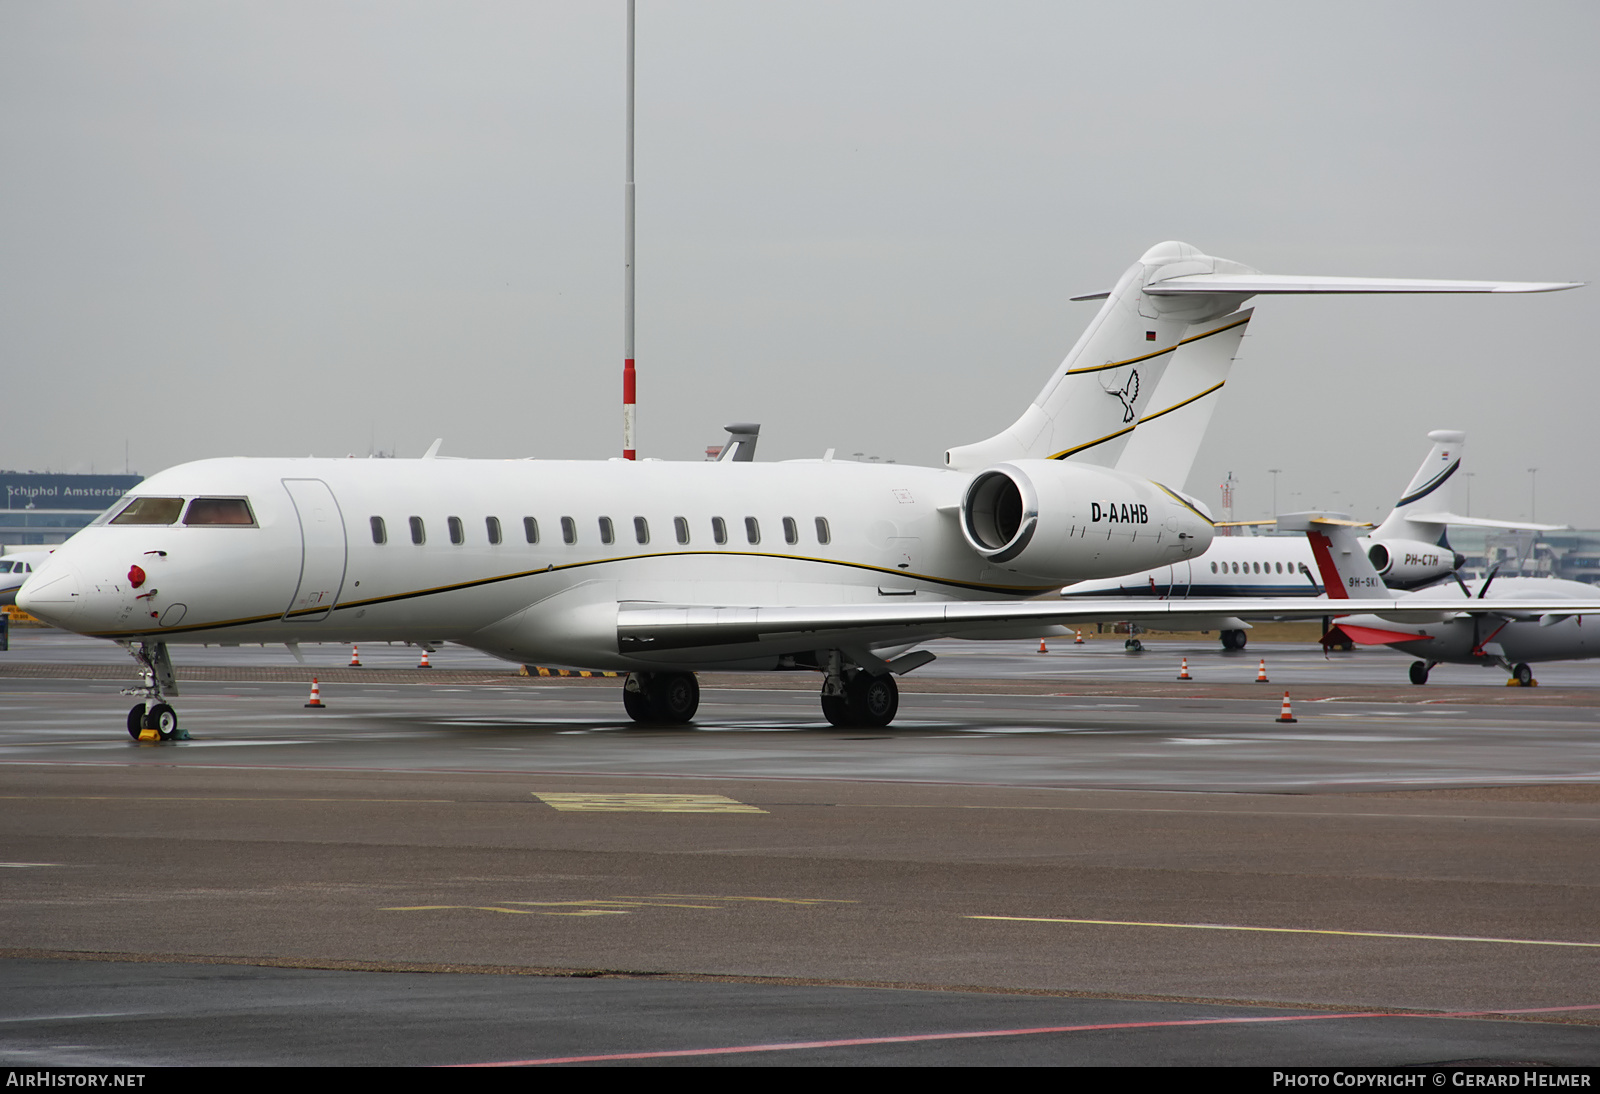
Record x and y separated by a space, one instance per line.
629 447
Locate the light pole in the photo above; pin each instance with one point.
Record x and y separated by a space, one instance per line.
1533 494
1274 472
1467 475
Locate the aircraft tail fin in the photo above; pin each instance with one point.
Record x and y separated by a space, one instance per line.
1431 492
1104 387
1347 572
1169 432
1154 324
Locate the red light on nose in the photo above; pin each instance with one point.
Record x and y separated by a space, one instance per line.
135 576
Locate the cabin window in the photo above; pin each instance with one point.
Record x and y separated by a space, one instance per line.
150 511
458 534
1213 567
824 536
791 531
492 525
380 534
719 530
530 529
1256 567
752 530
680 525
569 530
607 533
418 535
1279 565
641 529
220 511
1235 567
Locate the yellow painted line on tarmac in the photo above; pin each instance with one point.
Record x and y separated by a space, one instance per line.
1288 930
804 901
625 903
645 803
506 911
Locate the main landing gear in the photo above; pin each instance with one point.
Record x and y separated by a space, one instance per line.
854 696
661 698
1419 672
1233 640
157 681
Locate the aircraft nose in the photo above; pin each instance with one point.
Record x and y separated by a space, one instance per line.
53 594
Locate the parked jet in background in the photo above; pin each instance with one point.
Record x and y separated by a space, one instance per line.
1408 550
1512 622
14 570
665 569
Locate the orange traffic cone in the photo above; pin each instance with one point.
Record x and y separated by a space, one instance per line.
1261 674
1183 674
315 702
355 656
423 664
1042 646
1287 715
1078 641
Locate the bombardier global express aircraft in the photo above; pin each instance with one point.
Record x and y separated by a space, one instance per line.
664 569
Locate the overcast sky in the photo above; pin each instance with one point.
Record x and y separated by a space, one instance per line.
281 228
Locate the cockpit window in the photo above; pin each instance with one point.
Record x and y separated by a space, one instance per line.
219 511
5 567
150 511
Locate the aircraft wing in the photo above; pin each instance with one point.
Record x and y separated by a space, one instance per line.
644 628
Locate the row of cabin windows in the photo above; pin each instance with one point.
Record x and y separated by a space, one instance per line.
1256 567
608 531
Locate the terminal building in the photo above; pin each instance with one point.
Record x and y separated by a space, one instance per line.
42 508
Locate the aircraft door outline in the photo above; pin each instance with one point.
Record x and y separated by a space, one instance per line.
324 550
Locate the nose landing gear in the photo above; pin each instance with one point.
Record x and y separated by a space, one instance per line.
153 713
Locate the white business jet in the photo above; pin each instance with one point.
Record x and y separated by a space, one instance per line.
664 569
1409 550
14 570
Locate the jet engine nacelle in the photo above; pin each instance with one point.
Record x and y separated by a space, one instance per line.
1410 563
1069 522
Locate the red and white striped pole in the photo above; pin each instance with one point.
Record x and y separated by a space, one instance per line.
629 444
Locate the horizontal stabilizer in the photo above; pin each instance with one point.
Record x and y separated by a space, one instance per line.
1372 636
1482 522
1230 284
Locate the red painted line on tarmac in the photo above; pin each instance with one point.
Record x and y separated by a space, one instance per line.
791 1046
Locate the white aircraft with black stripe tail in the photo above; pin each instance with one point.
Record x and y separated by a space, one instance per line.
1409 550
665 569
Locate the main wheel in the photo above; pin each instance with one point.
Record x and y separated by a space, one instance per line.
873 700
636 703
136 721
164 720
674 696
1419 672
1523 675
836 710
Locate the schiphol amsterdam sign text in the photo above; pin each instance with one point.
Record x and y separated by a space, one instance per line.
24 490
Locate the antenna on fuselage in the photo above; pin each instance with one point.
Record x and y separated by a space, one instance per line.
629 449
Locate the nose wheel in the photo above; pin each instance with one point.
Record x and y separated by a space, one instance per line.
157 681
159 717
